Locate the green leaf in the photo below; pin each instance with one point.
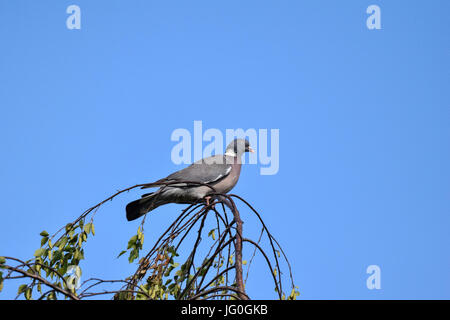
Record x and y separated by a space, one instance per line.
292 296
212 234
132 241
171 250
39 252
63 269
28 293
134 254
44 241
57 255
22 288
73 239
78 255
44 233
2 260
62 243
87 228
121 253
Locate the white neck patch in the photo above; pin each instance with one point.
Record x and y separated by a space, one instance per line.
230 153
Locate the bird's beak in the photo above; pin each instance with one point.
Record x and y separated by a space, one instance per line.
251 150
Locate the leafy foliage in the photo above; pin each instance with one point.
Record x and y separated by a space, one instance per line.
213 269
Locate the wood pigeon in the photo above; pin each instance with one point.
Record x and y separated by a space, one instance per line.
221 172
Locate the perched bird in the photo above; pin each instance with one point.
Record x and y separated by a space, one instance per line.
191 184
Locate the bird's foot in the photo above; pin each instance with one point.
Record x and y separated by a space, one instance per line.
208 199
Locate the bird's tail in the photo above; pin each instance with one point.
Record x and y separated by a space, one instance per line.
147 203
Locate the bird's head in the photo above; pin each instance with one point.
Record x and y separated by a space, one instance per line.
237 147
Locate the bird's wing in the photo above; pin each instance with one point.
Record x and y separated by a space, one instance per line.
208 170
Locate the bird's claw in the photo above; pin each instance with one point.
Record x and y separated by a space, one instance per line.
207 199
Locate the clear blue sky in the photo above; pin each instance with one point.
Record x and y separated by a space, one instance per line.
364 123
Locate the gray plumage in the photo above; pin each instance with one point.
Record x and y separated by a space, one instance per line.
221 172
